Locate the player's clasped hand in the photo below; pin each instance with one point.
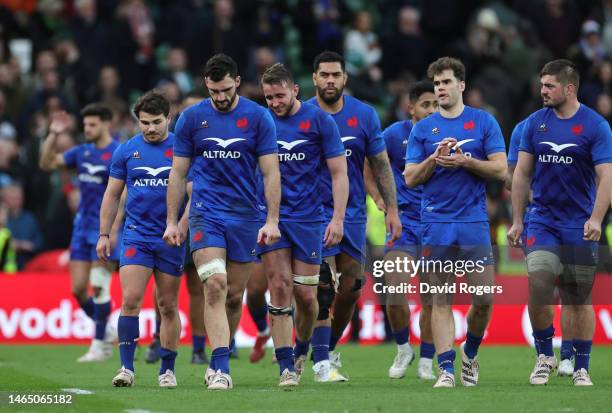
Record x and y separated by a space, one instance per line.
514 235
333 233
268 234
172 235
103 248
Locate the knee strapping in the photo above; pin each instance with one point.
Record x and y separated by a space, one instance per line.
544 261
278 311
214 266
311 280
100 277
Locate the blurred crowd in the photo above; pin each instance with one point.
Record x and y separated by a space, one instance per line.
60 55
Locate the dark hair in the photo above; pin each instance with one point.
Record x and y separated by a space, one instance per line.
446 63
220 65
277 74
152 102
564 70
100 110
327 57
418 88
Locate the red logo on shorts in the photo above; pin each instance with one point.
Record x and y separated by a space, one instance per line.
469 125
106 156
130 252
531 240
197 236
169 153
577 129
242 123
305 125
352 122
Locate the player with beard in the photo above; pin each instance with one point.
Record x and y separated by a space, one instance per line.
228 137
92 161
567 146
359 128
307 137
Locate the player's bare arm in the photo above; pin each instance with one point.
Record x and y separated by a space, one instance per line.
268 164
175 197
371 188
340 188
520 195
418 173
592 228
118 223
108 215
184 221
381 169
49 158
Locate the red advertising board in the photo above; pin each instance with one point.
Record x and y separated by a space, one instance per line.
39 308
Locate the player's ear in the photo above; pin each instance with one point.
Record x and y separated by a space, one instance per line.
296 89
237 80
314 78
462 86
344 78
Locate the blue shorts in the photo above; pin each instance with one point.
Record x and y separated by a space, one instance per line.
566 243
409 241
83 245
457 241
353 243
305 239
154 254
238 237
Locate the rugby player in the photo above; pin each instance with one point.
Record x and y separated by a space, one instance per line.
92 161
422 104
227 136
567 146
451 154
142 165
566 368
306 136
359 128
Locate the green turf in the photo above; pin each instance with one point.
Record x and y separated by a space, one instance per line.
503 385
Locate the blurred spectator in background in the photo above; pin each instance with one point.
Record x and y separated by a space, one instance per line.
600 81
589 50
263 57
363 53
176 70
221 35
406 49
557 23
319 23
8 260
108 90
26 237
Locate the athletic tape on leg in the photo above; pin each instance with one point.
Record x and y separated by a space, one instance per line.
546 261
100 277
214 266
278 311
312 280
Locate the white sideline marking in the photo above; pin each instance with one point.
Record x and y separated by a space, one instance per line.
77 391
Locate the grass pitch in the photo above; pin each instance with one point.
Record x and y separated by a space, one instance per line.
503 387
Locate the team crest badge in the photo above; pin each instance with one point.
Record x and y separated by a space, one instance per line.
136 155
435 131
205 124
